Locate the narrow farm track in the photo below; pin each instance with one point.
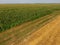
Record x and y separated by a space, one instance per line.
17 34
47 35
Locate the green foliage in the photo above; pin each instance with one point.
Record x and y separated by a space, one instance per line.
13 16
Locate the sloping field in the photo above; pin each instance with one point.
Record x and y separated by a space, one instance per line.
33 32
20 14
12 15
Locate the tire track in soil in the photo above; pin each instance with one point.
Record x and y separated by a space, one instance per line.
47 35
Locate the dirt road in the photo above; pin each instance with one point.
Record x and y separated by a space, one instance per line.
47 35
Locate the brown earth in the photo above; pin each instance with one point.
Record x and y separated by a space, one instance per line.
47 35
